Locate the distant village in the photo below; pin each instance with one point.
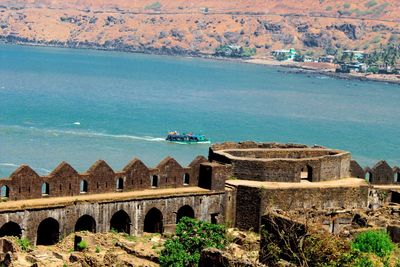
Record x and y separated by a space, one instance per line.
385 61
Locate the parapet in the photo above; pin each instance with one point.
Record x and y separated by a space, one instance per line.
380 174
276 162
64 180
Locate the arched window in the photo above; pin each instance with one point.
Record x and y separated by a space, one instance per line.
154 181
368 177
120 184
48 232
5 192
83 186
186 179
45 189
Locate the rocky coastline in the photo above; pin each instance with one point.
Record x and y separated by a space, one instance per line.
118 46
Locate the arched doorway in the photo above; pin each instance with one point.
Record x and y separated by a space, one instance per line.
5 192
368 177
153 222
306 173
85 223
184 211
83 186
48 232
120 184
45 189
10 229
186 179
121 222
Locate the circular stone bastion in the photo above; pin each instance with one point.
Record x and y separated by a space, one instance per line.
274 162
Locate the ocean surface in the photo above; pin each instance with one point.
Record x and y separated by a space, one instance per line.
81 105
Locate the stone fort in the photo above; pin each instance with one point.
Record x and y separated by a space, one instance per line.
236 185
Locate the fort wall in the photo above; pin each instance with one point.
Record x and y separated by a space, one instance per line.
274 162
64 180
254 200
130 215
381 173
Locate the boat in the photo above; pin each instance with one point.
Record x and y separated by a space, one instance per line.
187 138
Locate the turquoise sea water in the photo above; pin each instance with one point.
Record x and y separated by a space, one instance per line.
82 105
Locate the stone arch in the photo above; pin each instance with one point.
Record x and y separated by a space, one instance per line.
184 211
5 191
48 232
120 184
154 181
186 179
10 229
121 222
45 189
85 223
153 222
83 186
306 173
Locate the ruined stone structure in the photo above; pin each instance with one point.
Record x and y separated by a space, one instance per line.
134 200
237 185
282 162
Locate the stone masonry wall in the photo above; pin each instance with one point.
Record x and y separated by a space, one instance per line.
25 183
380 173
203 205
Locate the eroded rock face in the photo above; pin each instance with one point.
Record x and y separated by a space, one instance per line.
194 27
348 29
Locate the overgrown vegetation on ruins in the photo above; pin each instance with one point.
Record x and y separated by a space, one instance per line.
191 237
304 245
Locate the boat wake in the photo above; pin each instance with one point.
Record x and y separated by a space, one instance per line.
54 132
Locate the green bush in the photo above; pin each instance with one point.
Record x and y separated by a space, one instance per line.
346 5
82 245
23 243
328 8
191 238
377 242
156 6
371 3
98 249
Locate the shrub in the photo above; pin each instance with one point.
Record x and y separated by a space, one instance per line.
23 243
377 242
191 238
98 249
328 8
371 4
156 6
82 245
346 5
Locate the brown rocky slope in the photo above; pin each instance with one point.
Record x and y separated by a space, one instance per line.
199 27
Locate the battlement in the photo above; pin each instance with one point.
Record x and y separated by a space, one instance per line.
64 180
380 173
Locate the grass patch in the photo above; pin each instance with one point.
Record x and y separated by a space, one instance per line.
156 6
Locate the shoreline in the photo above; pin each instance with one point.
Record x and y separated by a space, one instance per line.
289 66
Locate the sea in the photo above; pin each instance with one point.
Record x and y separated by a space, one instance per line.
79 106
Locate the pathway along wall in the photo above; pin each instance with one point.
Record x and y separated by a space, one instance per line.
47 225
274 162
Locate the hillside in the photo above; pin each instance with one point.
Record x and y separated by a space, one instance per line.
199 27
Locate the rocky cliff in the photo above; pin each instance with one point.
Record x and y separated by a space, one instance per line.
199 27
